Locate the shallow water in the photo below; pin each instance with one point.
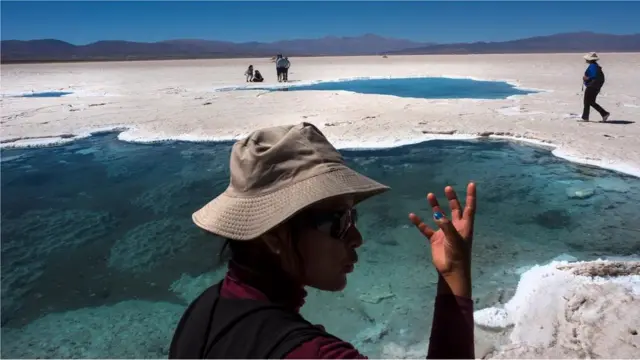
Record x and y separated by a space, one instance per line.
45 94
426 88
95 232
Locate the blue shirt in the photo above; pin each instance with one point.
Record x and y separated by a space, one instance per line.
591 73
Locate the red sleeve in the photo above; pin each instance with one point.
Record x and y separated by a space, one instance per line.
452 329
451 335
325 348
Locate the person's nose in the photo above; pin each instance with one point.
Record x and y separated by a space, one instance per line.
354 238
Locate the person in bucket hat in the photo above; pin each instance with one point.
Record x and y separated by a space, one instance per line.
289 218
593 80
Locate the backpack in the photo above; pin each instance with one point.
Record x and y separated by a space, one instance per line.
598 81
213 327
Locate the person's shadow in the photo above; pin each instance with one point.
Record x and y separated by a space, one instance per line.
617 122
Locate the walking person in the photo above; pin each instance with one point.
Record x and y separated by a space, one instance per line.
290 220
593 81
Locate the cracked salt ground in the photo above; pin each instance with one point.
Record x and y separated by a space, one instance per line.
386 308
377 294
517 110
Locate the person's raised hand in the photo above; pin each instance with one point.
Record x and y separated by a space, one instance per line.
451 243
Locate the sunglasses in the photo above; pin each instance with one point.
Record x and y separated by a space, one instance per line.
334 223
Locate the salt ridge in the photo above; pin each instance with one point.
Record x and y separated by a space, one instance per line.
128 134
551 299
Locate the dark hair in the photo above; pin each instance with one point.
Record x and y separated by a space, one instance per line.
256 254
239 250
222 250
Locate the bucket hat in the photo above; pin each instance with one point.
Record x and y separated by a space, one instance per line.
591 57
277 172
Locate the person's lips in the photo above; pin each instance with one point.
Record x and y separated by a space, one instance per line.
352 261
349 268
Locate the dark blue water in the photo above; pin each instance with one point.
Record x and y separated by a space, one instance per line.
99 255
46 94
425 88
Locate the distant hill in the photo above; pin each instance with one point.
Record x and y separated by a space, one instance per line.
51 50
559 43
56 50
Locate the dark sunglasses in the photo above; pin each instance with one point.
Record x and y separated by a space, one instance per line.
334 223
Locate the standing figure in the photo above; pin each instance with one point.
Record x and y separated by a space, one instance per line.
593 80
249 74
287 64
280 67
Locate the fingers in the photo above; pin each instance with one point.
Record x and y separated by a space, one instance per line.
470 205
424 229
447 227
454 204
433 201
442 221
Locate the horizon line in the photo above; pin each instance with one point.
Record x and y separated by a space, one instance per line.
325 37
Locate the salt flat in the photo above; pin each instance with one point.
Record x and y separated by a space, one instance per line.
177 100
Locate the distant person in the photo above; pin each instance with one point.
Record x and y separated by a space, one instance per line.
593 80
287 64
249 74
280 67
290 220
257 77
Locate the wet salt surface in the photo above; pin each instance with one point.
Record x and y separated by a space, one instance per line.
100 228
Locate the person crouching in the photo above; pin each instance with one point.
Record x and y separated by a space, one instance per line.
257 77
249 74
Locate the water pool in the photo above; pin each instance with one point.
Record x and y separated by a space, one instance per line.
426 88
99 256
45 94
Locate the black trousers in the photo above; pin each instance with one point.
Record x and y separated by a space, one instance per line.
280 72
590 95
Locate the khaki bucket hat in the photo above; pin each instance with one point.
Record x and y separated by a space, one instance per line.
275 173
591 57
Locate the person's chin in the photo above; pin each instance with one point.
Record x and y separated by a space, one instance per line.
341 285
338 284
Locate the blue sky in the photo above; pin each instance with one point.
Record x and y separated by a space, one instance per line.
84 22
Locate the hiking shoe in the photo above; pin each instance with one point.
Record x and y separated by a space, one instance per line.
606 117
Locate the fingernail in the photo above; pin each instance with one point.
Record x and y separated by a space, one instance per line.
438 215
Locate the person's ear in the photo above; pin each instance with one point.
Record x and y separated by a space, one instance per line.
273 243
281 243
277 239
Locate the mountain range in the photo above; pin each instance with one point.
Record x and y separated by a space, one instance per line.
558 43
51 50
